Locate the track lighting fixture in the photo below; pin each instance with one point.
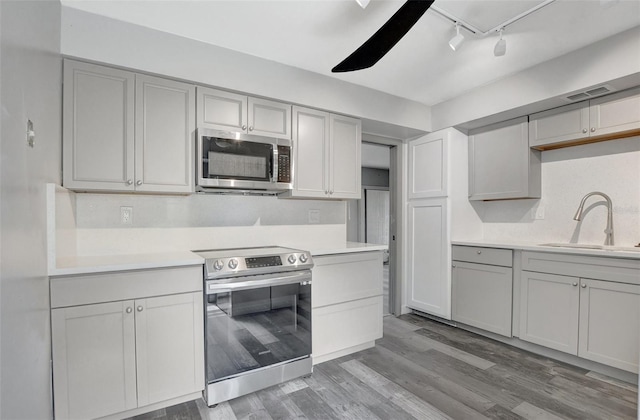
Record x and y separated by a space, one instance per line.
457 40
363 3
501 46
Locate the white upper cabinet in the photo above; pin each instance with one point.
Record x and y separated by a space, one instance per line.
428 164
326 150
126 132
345 155
604 118
221 110
98 127
501 164
164 135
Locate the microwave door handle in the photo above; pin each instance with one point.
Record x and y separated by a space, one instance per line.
256 284
274 174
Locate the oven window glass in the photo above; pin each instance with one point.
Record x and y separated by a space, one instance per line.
251 329
236 159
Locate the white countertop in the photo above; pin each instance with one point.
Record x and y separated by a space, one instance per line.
348 247
105 263
605 251
66 266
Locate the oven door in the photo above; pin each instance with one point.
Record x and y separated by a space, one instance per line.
257 321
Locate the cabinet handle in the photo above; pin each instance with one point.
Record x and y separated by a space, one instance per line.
584 286
129 310
139 308
244 127
593 129
575 284
479 252
129 181
250 128
138 182
584 131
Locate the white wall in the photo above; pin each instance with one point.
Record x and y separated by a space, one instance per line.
612 167
31 89
93 37
612 58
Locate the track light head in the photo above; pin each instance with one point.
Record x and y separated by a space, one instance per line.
501 46
457 40
363 3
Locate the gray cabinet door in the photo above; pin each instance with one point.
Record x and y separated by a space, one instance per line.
549 308
94 365
615 113
98 127
269 118
482 296
501 164
610 323
559 125
220 110
164 135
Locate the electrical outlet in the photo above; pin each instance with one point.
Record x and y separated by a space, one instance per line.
126 215
314 216
537 213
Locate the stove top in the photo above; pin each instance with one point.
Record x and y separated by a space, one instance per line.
225 263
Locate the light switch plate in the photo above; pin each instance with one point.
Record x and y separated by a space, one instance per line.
537 213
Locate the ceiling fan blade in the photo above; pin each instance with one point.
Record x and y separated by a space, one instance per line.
385 38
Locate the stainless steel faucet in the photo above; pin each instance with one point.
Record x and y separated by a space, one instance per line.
609 229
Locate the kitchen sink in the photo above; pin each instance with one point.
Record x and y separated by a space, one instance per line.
591 246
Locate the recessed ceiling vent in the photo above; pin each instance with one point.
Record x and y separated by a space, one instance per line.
591 93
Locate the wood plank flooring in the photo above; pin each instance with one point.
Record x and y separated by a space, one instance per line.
422 369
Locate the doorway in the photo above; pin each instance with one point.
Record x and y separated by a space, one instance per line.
372 218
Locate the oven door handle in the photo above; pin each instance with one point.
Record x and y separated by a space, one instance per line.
256 282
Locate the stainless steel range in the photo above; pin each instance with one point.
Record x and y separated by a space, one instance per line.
258 319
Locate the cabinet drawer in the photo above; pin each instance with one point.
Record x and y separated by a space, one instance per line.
481 255
347 277
110 287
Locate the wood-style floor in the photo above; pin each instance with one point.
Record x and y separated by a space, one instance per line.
423 369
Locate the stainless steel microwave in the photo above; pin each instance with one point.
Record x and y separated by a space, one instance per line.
229 160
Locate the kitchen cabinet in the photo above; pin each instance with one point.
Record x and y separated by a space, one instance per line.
603 118
428 277
227 111
501 164
595 319
428 166
482 284
327 155
143 349
347 303
126 132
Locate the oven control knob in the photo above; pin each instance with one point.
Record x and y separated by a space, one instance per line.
218 265
292 259
233 263
303 258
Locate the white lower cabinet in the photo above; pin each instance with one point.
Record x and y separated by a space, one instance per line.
593 319
112 357
347 303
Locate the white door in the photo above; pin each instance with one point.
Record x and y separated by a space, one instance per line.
269 118
345 157
615 113
549 311
567 123
311 151
429 282
220 110
170 347
165 130
610 323
98 127
94 361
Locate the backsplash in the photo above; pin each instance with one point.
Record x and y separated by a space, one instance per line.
611 167
202 210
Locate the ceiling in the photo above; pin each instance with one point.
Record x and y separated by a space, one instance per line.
316 35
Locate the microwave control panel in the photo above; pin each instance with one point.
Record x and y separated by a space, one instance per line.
284 164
